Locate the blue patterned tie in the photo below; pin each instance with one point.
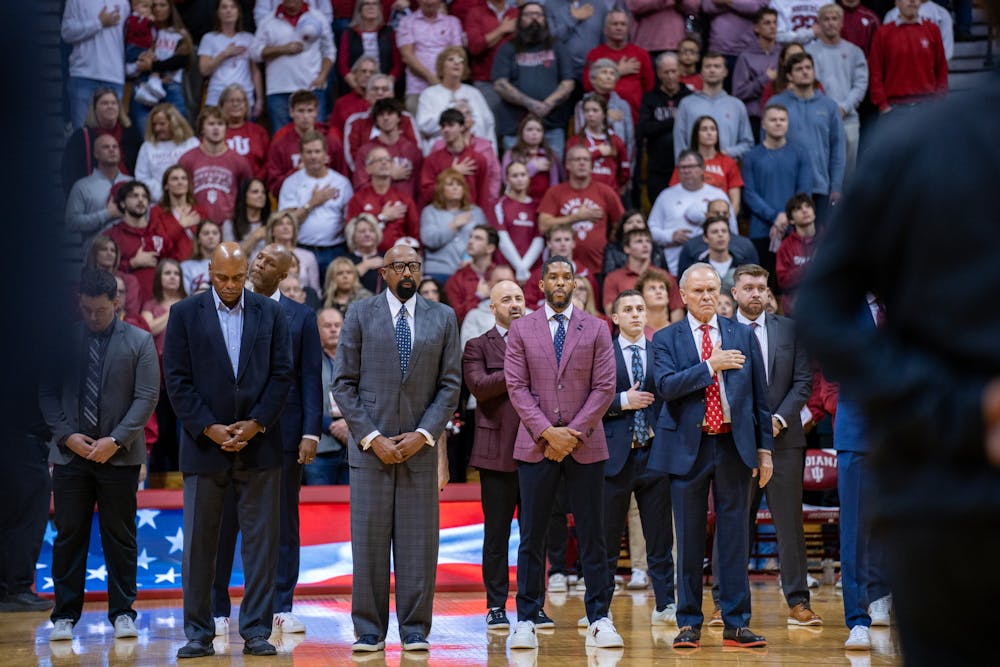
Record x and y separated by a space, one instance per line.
639 419
560 336
403 343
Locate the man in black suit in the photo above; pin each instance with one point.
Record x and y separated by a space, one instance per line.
97 410
228 368
789 383
301 421
714 431
628 427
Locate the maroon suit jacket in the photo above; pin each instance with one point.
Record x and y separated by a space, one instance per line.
576 393
496 419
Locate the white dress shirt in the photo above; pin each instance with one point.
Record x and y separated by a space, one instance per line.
716 337
550 314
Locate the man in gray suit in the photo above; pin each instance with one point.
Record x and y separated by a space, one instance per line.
396 380
96 410
789 382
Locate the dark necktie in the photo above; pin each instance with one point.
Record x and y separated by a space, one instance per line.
90 409
560 337
641 433
403 343
713 396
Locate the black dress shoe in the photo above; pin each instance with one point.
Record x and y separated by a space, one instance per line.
259 646
415 642
688 637
195 649
742 637
368 644
543 621
26 601
497 619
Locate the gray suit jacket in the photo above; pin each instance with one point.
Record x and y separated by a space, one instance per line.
789 379
130 384
369 389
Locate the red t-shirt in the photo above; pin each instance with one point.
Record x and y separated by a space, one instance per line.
623 279
630 88
366 200
721 172
614 171
520 220
358 130
693 81
480 21
439 160
250 141
215 179
404 150
283 156
591 236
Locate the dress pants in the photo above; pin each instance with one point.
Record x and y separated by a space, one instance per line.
585 491
26 487
557 534
862 556
77 485
719 466
499 495
402 515
257 502
652 494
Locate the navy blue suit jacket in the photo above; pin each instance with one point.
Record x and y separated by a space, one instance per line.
618 423
202 389
303 413
681 378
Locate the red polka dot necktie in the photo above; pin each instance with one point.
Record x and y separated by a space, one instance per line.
713 398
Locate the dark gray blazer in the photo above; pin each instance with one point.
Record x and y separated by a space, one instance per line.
130 384
368 386
790 379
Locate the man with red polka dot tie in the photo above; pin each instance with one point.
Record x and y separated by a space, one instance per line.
714 432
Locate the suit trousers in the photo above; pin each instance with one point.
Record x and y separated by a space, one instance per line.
862 556
400 515
288 542
558 533
500 497
719 466
256 493
26 487
76 486
652 493
784 500
585 492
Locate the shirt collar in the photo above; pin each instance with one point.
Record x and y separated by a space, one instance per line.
276 296
395 304
743 319
624 343
549 312
502 331
104 333
223 307
696 325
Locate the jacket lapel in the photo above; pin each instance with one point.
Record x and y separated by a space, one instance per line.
771 326
251 322
116 339
210 319
543 338
574 332
421 315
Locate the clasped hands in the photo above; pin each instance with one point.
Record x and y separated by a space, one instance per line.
398 448
98 451
233 438
561 441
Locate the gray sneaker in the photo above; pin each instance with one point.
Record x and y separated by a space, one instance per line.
125 627
62 630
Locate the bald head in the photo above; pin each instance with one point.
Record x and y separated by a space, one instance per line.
506 302
270 267
228 270
402 283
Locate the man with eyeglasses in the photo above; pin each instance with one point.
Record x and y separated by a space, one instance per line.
396 380
361 128
404 151
397 215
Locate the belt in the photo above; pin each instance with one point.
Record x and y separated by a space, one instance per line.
640 445
316 248
724 428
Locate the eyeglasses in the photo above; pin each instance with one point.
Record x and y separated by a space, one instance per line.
455 59
399 267
531 13
383 158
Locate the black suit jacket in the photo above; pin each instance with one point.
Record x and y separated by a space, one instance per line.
619 424
303 413
789 379
203 391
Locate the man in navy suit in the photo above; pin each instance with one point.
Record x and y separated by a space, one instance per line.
301 421
228 368
628 427
714 431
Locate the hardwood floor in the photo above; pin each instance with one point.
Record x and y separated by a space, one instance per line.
458 638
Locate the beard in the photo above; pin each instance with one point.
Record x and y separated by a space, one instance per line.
533 34
405 289
558 305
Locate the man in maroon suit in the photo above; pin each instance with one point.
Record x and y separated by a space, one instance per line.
560 372
493 449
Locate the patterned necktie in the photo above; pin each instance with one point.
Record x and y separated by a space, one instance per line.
91 388
560 338
713 397
403 343
641 432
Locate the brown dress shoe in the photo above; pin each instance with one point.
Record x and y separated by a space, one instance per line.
716 620
801 614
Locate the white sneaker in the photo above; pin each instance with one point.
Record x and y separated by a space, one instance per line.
666 617
811 581
155 86
584 622
860 639
602 634
144 96
62 630
879 611
523 636
286 621
581 585
557 583
638 581
221 626
125 627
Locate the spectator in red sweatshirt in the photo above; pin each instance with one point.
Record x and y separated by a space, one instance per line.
635 68
283 155
860 24
458 154
907 65
395 211
797 249
469 285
